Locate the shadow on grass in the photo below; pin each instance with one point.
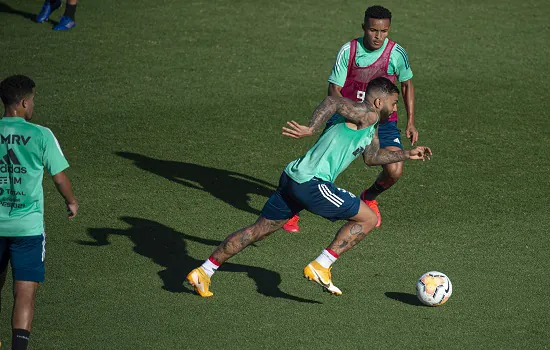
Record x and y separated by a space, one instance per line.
168 248
5 8
231 187
406 298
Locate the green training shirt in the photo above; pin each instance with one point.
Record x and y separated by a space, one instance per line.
25 150
335 149
398 65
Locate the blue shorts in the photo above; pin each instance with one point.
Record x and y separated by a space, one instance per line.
317 196
389 135
26 254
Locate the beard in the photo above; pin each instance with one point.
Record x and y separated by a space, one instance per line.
385 113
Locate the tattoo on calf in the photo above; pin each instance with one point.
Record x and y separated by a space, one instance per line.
245 238
356 234
356 229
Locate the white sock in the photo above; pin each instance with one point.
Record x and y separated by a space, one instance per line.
327 258
210 266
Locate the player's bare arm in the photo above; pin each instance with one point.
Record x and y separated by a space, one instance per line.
374 155
334 90
407 89
354 112
64 187
357 113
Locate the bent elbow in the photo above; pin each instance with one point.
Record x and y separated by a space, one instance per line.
370 162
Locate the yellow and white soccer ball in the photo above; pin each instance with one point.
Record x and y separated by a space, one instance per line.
434 288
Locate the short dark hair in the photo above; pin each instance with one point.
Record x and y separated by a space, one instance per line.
382 86
377 12
13 89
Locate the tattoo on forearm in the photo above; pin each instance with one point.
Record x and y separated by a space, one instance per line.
386 157
374 155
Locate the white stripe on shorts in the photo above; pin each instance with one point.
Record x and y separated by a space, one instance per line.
331 197
339 200
43 246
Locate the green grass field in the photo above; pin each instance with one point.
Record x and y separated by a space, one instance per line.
169 113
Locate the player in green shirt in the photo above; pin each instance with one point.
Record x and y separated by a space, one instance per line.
370 62
25 150
308 182
358 62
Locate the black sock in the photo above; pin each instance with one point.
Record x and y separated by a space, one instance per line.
52 2
70 11
372 192
20 339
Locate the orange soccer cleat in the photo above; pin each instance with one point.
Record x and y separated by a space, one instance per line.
373 204
292 224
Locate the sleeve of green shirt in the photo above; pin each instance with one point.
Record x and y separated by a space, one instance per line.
340 70
53 158
399 64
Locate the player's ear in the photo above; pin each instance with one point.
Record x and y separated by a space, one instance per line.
377 103
25 100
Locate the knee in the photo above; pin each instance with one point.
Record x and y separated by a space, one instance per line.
394 171
368 220
371 220
259 231
264 227
25 290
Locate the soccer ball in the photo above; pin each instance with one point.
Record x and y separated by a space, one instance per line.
434 288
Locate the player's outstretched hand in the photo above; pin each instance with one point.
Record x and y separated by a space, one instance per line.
420 152
412 134
296 130
72 209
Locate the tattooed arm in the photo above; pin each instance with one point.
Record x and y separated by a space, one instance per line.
374 155
354 112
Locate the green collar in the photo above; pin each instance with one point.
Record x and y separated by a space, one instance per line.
13 119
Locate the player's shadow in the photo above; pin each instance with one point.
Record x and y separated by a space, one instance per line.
406 298
229 186
168 248
5 8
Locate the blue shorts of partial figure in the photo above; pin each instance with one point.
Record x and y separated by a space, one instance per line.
317 196
26 255
389 135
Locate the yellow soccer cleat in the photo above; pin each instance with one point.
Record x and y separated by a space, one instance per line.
315 272
200 282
